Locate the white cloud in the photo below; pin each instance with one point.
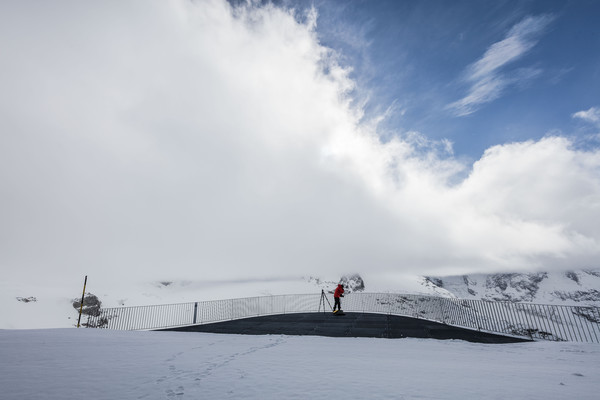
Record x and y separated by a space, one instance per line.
591 115
482 91
485 78
180 140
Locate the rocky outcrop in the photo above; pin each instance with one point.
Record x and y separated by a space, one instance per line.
91 305
514 287
29 299
570 287
353 283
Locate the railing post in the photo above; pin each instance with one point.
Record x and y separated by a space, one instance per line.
82 300
195 312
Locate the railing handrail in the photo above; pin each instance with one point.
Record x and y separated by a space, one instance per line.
353 294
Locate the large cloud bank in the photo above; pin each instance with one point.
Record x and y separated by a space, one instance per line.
192 140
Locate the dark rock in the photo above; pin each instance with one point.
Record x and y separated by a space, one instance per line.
27 299
573 276
436 281
91 305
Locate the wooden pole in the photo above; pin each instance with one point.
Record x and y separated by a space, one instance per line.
82 297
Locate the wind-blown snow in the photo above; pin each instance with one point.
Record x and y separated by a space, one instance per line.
98 364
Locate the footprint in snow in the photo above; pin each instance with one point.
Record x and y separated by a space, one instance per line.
177 392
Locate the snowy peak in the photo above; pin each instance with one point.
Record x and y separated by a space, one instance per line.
352 283
571 287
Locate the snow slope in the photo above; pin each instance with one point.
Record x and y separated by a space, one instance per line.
94 364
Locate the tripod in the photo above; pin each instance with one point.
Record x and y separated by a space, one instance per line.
322 301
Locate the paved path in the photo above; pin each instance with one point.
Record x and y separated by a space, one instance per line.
348 325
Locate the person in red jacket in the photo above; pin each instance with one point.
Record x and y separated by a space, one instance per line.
339 292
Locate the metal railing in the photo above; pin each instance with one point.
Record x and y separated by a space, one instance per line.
536 321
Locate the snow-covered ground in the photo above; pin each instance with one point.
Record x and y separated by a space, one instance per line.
94 364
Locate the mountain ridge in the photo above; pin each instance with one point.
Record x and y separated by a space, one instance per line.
579 287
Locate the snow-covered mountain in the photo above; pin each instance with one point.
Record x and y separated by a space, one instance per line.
567 288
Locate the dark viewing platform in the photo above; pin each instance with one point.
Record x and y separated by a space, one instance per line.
352 324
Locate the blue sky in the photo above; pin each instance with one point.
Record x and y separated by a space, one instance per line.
417 57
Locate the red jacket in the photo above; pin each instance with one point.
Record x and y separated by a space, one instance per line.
339 291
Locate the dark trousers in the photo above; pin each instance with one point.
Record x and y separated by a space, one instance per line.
337 303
